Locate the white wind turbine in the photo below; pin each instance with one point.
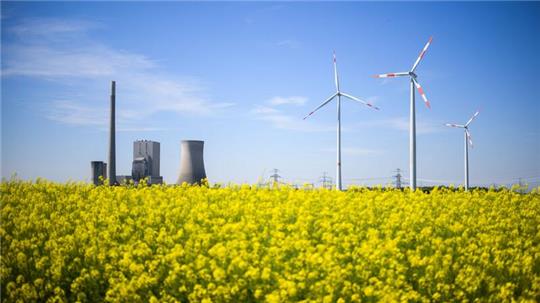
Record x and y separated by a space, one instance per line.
469 140
412 119
338 94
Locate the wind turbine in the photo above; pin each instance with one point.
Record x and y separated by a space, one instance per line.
469 140
338 94
412 119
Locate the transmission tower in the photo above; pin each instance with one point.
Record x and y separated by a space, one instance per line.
275 176
521 186
397 176
326 181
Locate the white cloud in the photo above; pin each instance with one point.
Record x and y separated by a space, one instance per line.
52 28
280 120
264 110
289 122
69 112
293 100
84 62
73 113
51 49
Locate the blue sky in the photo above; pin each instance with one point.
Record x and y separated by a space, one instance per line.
242 75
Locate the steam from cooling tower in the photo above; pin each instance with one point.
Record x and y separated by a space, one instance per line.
112 138
191 162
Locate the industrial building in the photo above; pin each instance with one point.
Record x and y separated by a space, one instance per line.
99 169
146 161
145 165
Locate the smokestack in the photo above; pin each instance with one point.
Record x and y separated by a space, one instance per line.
112 138
191 162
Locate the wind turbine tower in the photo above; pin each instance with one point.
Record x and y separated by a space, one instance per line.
468 140
412 119
339 94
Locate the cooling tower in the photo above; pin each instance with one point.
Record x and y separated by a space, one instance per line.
112 138
191 162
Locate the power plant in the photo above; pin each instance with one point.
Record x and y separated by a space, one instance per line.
146 158
191 162
146 162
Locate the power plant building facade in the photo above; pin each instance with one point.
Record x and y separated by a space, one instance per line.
146 161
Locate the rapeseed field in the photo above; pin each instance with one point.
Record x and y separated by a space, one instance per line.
76 242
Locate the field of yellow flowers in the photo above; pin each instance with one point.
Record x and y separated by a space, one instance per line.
77 242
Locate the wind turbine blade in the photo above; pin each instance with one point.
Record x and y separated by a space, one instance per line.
422 53
391 75
469 138
322 104
359 100
472 118
455 125
335 73
421 91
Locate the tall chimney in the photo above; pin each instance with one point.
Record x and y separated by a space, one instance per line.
191 162
112 138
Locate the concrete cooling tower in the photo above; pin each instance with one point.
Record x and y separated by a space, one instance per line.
191 162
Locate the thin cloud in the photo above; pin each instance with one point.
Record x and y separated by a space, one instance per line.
294 100
288 122
44 49
75 114
264 110
68 112
41 28
278 119
46 61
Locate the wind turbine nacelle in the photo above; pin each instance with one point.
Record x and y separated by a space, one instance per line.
191 162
